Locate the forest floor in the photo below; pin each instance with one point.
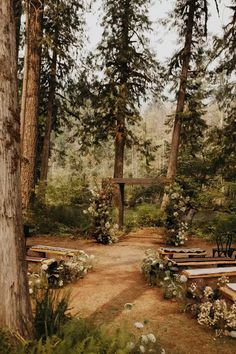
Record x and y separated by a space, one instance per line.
116 280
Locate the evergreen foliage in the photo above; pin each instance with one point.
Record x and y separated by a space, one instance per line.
128 73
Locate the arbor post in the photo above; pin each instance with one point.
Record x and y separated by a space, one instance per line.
121 205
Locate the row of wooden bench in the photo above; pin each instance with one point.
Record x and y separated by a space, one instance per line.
204 267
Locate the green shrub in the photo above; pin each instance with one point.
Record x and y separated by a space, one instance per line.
207 223
144 215
51 313
67 219
139 195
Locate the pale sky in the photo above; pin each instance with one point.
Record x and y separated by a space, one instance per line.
162 42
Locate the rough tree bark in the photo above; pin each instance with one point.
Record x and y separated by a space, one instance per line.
15 310
30 99
186 56
48 128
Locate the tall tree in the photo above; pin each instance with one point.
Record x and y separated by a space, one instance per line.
190 18
225 51
129 73
15 311
63 33
30 97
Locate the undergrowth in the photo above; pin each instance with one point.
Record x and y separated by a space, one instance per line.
59 333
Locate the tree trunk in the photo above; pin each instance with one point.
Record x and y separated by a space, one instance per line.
119 152
172 165
15 310
30 100
48 129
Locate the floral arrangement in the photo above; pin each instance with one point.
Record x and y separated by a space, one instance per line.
219 315
210 310
103 228
173 286
55 274
156 268
175 213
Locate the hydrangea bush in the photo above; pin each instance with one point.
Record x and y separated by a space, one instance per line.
103 228
175 215
210 310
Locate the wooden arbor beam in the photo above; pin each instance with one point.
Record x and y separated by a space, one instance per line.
121 182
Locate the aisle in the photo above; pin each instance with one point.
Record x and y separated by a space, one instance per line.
117 280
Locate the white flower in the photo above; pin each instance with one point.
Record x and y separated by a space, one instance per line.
142 349
30 282
130 345
151 337
183 279
30 291
138 325
161 266
176 213
44 267
60 283
144 339
107 225
208 291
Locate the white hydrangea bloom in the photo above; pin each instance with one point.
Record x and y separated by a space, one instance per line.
138 325
151 337
142 349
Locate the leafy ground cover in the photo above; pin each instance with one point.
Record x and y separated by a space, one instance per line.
116 281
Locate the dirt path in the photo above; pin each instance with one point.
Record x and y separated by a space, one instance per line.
116 280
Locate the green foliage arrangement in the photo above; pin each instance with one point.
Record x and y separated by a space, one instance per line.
175 212
103 229
162 272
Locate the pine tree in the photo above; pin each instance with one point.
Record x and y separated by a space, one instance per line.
128 74
63 34
190 18
225 51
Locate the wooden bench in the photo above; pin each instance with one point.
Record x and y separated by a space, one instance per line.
209 272
203 261
42 250
229 291
190 252
32 259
